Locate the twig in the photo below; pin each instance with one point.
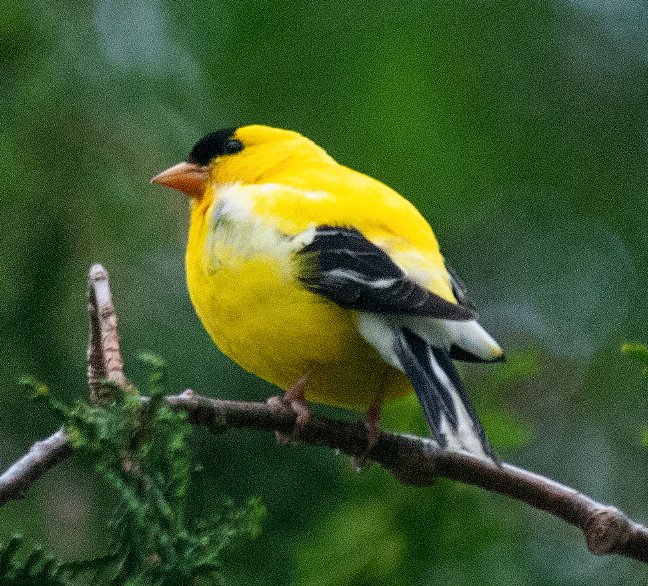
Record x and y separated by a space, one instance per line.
105 377
105 363
42 456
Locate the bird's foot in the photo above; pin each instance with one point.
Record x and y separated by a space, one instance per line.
371 421
294 400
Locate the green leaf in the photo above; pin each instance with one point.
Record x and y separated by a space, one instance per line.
637 351
37 388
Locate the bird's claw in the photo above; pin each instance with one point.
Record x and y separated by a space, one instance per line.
293 399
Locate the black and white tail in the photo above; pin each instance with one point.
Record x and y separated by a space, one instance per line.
447 409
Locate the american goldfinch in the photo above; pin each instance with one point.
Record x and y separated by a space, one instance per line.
326 282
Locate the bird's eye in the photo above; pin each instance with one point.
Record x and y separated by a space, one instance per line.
233 146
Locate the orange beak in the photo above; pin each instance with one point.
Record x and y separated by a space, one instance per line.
190 178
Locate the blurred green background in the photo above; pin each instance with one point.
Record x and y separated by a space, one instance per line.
518 128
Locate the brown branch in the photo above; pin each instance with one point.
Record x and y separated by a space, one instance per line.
105 363
413 460
43 455
419 461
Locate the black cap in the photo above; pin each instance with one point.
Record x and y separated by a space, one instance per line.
213 145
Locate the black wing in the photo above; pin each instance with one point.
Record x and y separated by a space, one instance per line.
343 266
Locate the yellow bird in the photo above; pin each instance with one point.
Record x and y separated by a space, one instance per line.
326 282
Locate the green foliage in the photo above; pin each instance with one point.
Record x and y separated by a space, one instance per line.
39 389
640 353
40 393
505 430
142 450
39 569
382 530
643 437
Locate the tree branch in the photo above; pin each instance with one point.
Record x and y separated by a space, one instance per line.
420 461
16 480
105 377
411 459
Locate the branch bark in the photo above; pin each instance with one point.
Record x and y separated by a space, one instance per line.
43 455
420 461
105 362
411 459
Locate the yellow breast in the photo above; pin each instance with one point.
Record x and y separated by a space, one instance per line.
241 275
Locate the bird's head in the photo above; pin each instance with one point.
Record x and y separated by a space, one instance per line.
233 155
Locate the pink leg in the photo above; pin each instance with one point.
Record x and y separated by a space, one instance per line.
371 421
294 399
